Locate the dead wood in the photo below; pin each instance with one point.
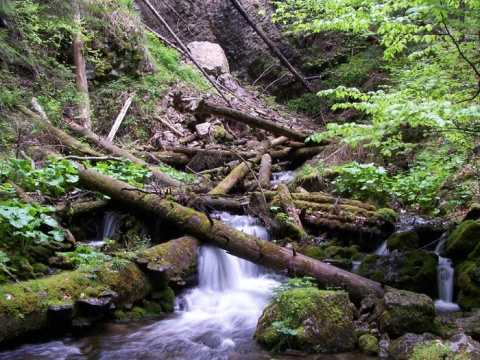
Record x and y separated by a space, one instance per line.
269 43
203 107
290 209
237 243
120 117
161 177
265 171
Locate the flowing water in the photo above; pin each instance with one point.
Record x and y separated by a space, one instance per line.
108 229
445 279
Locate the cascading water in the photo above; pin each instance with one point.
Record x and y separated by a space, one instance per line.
283 177
108 229
215 320
445 278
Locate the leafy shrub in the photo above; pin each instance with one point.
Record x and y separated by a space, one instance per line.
127 171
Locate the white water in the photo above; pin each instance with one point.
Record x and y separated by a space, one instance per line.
214 321
382 249
108 229
284 177
445 279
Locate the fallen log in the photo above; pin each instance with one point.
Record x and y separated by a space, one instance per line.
237 243
265 171
290 208
206 108
163 178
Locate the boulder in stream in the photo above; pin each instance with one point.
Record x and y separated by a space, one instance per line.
308 319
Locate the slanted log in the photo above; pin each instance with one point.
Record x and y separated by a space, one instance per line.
206 108
290 208
163 178
237 243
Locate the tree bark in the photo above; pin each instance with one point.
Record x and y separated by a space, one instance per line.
289 207
120 117
237 243
81 76
204 107
265 171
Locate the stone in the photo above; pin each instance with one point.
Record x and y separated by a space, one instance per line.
203 129
210 56
461 242
368 344
402 348
406 312
308 319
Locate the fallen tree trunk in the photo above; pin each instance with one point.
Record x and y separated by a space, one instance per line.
237 243
206 108
163 178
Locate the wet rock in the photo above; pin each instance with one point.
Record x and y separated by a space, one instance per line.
93 306
308 319
470 324
60 315
402 348
403 241
467 280
404 312
413 271
368 344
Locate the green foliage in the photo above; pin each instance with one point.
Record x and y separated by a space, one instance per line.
24 224
54 178
295 283
181 176
127 171
84 256
364 182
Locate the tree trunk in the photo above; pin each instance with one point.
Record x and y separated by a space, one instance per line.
289 207
265 171
81 76
237 243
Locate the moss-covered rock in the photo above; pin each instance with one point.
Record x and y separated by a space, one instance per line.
368 344
308 319
313 251
403 241
467 280
406 312
461 242
413 271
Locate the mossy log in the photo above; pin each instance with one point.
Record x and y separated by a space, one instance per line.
289 207
72 210
36 306
237 243
265 171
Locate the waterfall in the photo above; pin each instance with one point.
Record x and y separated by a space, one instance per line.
445 279
382 249
107 230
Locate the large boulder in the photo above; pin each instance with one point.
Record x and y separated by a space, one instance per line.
403 312
308 319
210 56
463 241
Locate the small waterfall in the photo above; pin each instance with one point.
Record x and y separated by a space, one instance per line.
382 249
445 278
109 223
283 177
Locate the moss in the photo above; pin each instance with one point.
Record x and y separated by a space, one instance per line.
387 215
368 344
138 312
403 241
151 307
432 350
39 269
166 299
307 319
468 283
313 251
461 242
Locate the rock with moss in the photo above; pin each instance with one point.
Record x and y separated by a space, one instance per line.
403 312
403 241
368 344
430 347
461 242
308 319
308 178
467 280
413 271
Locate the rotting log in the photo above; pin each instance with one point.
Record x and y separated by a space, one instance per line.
206 108
265 171
237 243
76 209
289 207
